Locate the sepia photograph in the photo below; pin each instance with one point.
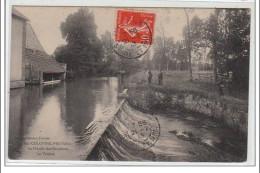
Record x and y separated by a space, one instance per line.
129 84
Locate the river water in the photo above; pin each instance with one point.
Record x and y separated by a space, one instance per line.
46 123
58 113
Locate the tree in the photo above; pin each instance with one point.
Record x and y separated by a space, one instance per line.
237 39
228 32
164 52
61 54
146 62
158 53
181 56
213 36
169 51
164 48
188 43
238 31
83 50
130 66
198 40
108 58
111 63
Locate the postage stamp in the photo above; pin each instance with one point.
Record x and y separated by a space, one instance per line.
134 33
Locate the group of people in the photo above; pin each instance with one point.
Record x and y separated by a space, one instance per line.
160 77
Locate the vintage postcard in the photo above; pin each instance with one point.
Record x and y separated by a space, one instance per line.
129 84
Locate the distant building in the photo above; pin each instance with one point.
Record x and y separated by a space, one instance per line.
40 68
18 42
29 63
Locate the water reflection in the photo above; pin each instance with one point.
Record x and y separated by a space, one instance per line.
59 112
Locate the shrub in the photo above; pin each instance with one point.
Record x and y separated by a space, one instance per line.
156 100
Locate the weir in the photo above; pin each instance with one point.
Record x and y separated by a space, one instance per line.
134 130
97 127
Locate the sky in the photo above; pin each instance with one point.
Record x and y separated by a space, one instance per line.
46 21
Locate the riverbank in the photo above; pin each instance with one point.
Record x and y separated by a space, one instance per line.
187 99
180 80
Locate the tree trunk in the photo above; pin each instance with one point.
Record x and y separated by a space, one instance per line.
188 44
215 63
215 48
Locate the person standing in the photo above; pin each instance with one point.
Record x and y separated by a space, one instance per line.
230 82
150 76
160 77
220 84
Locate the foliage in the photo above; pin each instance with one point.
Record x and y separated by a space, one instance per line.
83 51
169 55
205 67
146 61
197 39
224 38
130 66
111 63
158 100
108 64
181 56
228 32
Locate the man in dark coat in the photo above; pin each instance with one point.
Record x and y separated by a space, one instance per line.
150 76
160 77
220 85
230 82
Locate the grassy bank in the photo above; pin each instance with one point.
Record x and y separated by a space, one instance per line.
179 80
179 95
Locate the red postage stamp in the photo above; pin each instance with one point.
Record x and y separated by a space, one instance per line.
134 27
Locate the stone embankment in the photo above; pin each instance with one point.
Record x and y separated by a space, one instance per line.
231 111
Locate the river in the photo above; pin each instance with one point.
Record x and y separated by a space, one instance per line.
46 122
57 113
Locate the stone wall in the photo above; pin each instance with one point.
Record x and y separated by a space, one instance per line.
232 115
232 112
